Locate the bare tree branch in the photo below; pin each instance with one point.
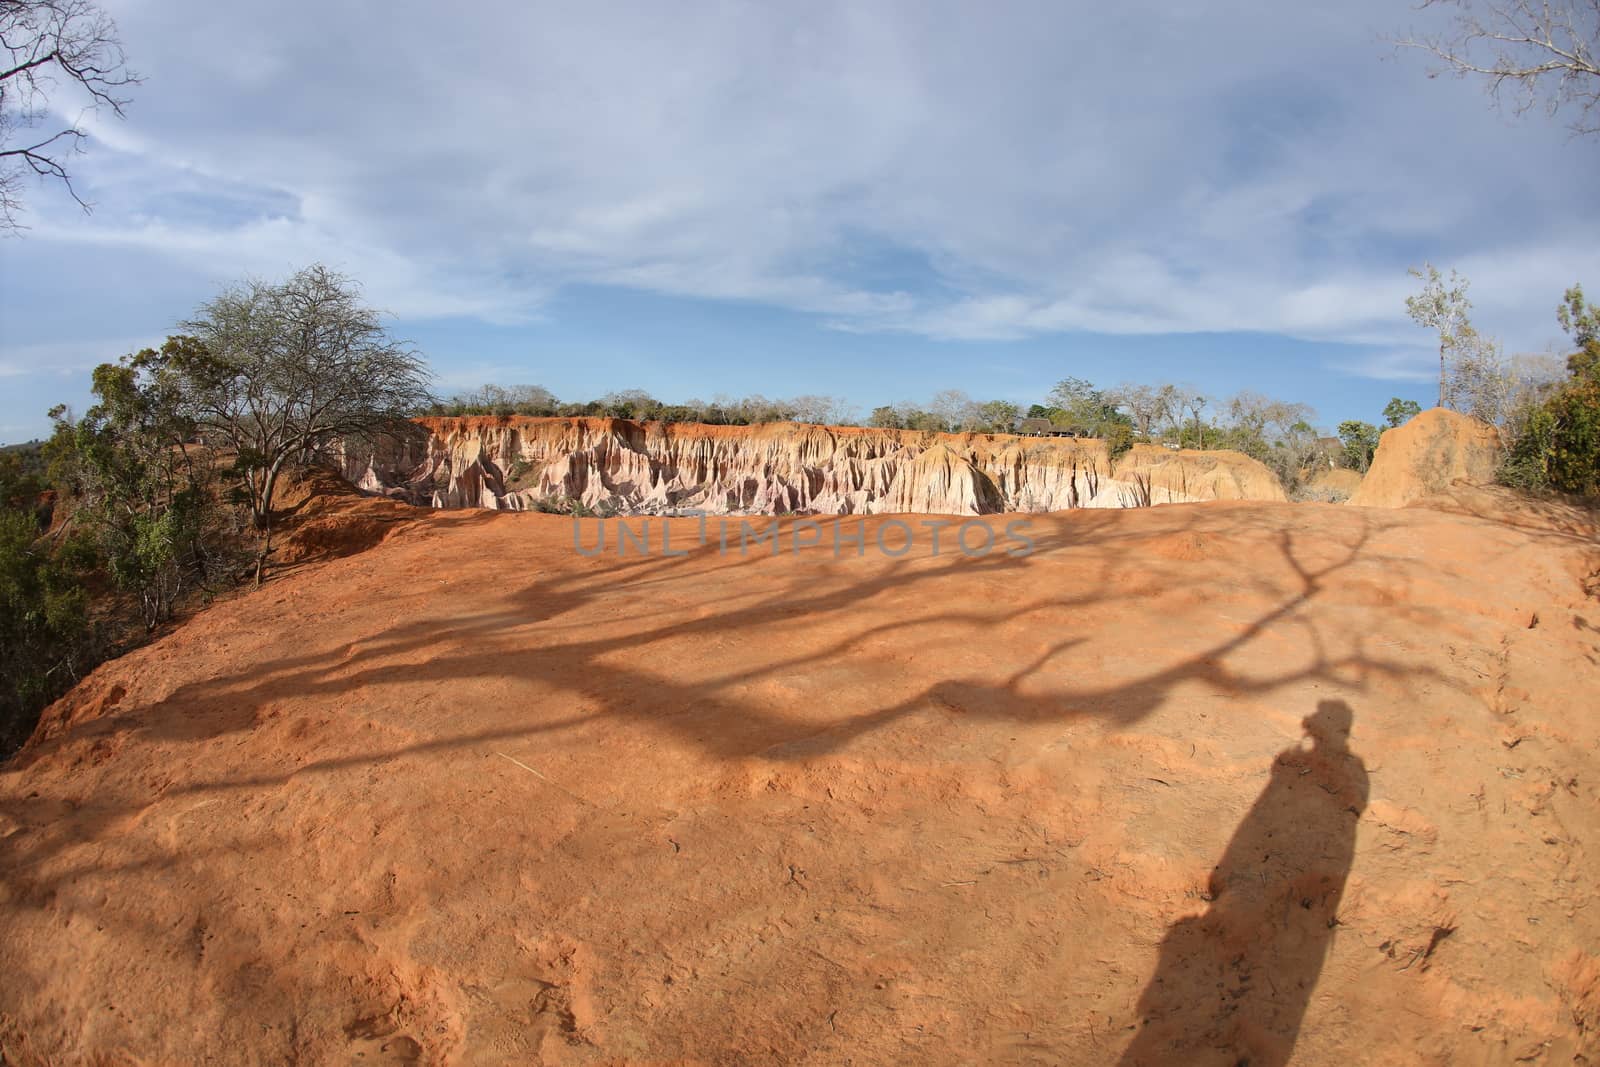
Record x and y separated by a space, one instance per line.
42 42
1539 53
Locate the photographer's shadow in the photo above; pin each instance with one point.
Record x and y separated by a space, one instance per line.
1232 985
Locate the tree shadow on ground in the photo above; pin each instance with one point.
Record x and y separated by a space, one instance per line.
1232 985
527 638
539 629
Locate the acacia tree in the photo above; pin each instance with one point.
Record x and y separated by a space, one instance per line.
1149 405
1191 401
1539 52
42 42
1441 308
287 370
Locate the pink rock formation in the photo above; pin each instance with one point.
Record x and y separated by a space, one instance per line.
516 463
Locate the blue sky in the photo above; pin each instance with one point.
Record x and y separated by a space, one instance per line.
877 201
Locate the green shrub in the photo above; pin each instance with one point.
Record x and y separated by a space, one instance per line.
1119 439
1557 444
46 641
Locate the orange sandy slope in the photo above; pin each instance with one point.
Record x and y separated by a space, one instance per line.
469 797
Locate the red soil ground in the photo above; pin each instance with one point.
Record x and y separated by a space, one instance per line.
1194 784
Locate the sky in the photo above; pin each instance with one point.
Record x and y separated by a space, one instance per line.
874 201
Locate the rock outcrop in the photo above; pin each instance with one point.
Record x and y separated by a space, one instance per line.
1193 475
630 467
1427 455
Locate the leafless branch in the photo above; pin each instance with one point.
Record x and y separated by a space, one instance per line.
42 42
1537 53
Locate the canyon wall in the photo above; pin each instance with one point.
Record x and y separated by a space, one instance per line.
626 467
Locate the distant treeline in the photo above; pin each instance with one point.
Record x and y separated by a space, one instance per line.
1162 412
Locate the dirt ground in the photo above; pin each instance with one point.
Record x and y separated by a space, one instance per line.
1211 783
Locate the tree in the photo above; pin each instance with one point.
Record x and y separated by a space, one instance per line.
1193 402
1398 412
885 418
998 416
915 418
1081 407
1149 405
46 639
1440 308
1296 454
821 410
955 411
1481 383
1581 320
1255 415
42 41
630 404
21 484
1541 51
280 372
1078 401
498 400
1558 443
1360 440
142 492
1557 440
1276 432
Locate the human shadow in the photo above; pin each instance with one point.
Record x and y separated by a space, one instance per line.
1232 985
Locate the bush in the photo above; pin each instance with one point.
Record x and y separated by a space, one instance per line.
1569 438
46 641
1119 439
1360 444
1575 452
146 495
1557 444
567 505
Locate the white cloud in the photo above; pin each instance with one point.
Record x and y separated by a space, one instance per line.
1397 365
272 247
65 358
1118 169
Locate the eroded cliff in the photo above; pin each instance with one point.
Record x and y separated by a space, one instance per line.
632 467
